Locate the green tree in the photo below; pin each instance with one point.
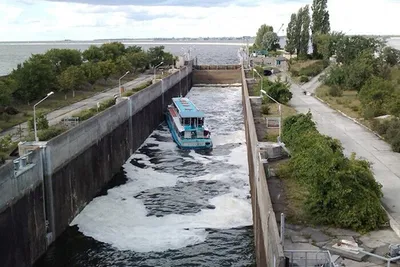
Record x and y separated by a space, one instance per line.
360 69
305 31
391 56
278 90
266 38
7 87
156 55
320 23
61 59
107 68
123 65
111 51
133 49
92 72
326 44
376 96
138 60
93 53
260 35
291 43
71 79
298 30
348 48
34 78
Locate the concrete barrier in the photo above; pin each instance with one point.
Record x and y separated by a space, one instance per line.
73 167
268 246
216 74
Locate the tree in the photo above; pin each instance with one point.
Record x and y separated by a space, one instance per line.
270 41
138 60
7 87
156 55
111 51
260 35
348 48
34 78
320 22
305 31
297 30
326 44
133 49
93 53
106 68
123 65
391 55
61 59
375 96
71 79
278 90
291 44
360 69
92 72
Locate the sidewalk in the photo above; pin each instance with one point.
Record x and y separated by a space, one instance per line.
56 116
355 138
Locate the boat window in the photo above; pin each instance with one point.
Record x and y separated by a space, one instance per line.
187 122
201 121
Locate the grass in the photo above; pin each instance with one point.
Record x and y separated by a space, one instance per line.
295 194
348 103
272 134
301 64
58 101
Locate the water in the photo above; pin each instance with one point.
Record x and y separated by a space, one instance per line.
170 207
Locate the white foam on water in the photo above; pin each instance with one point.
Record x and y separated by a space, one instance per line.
233 138
120 219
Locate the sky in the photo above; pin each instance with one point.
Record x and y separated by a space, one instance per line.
39 20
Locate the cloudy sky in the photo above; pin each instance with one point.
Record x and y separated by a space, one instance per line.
94 19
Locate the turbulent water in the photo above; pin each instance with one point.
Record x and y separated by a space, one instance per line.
170 207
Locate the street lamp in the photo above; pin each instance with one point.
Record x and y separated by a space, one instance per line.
154 79
261 88
119 83
34 114
280 112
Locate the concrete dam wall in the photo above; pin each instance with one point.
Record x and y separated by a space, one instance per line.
55 181
216 74
268 245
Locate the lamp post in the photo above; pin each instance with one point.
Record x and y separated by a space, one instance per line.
34 114
154 79
280 112
119 83
261 78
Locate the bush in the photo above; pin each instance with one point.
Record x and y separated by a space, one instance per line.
107 103
313 69
51 132
142 86
265 109
86 114
335 91
304 79
342 191
41 122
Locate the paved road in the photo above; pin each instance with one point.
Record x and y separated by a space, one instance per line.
355 138
57 115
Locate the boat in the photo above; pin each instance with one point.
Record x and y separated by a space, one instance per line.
186 124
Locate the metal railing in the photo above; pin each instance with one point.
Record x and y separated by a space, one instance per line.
308 258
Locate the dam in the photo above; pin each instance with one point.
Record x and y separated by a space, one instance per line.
163 207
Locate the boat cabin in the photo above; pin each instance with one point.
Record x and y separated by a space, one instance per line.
191 118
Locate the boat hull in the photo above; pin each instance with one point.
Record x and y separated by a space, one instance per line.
204 144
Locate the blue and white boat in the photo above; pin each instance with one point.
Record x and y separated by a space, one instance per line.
186 123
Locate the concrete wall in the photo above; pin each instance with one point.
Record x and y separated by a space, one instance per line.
22 213
216 74
269 250
73 167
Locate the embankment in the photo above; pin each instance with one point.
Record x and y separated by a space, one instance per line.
269 250
40 199
216 74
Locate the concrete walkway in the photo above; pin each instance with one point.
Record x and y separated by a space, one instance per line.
356 138
56 116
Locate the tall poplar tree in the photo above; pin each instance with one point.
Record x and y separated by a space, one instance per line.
291 35
320 22
305 31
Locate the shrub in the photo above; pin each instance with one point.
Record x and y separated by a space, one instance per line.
86 114
41 122
142 86
51 132
335 91
342 191
265 109
313 69
304 79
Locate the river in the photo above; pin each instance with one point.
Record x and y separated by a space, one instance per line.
169 207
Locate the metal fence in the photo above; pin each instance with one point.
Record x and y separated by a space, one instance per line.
309 258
